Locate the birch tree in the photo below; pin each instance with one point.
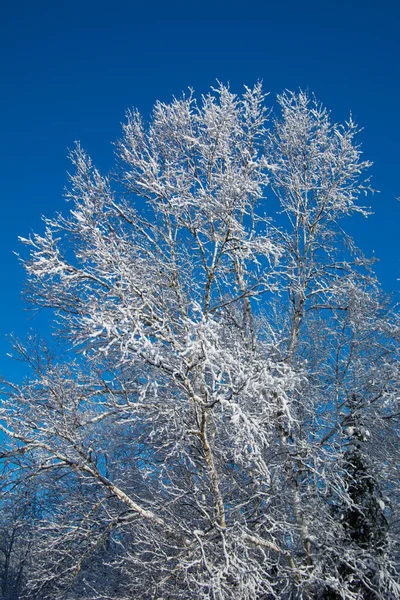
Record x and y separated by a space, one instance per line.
227 374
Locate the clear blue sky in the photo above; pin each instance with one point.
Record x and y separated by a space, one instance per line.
70 69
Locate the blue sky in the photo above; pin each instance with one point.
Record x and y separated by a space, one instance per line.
69 70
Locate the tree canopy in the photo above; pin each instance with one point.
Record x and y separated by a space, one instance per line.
221 419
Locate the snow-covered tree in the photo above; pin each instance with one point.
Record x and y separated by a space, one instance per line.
224 346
